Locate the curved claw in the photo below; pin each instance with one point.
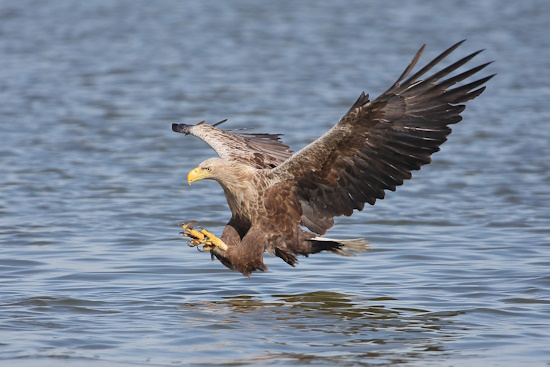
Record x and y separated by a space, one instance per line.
204 248
188 224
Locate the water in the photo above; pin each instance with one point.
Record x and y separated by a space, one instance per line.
93 272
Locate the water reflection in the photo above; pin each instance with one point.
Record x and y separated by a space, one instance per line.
321 328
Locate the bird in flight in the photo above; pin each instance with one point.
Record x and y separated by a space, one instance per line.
283 202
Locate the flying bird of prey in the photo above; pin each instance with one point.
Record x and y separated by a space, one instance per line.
282 203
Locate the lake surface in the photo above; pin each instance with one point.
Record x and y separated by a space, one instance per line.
93 185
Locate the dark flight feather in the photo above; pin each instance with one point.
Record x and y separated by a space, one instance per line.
376 145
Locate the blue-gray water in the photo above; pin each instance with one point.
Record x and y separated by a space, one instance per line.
92 186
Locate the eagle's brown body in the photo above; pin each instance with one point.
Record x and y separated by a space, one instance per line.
273 194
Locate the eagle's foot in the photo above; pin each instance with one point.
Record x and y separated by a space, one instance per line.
202 237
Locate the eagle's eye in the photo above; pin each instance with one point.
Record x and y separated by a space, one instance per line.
208 169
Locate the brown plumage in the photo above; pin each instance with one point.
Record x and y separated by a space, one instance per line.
273 193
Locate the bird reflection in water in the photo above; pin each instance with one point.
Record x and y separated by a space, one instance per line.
323 327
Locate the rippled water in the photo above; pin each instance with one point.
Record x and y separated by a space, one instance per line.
92 271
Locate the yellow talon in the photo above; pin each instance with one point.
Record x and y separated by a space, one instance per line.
202 237
215 241
192 232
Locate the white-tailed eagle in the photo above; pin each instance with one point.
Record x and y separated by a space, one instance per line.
282 203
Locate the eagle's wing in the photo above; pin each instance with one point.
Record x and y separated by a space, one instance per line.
257 150
376 145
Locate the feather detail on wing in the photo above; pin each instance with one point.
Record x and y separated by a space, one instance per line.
257 150
376 145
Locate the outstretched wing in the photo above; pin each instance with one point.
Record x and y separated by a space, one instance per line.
376 145
257 150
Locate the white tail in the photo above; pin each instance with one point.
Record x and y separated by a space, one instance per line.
340 247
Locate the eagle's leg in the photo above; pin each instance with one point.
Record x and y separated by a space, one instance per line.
213 240
202 237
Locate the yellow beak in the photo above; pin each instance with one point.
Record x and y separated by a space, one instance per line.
196 174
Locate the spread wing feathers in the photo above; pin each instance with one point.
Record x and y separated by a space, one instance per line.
375 146
257 150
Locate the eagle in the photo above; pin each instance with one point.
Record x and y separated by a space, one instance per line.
283 202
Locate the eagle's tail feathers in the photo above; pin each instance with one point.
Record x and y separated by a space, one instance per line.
340 247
